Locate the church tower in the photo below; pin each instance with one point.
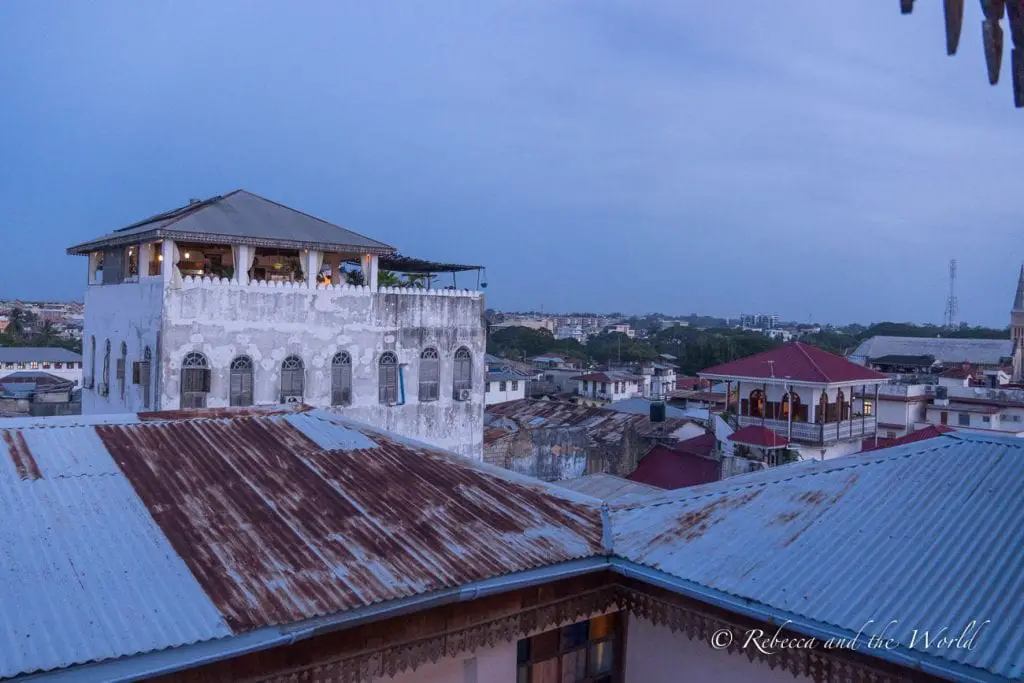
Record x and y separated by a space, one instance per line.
1017 329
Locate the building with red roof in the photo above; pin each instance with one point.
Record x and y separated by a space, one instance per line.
687 463
929 432
805 396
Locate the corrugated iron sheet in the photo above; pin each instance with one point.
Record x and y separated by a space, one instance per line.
609 487
85 574
277 529
928 534
603 425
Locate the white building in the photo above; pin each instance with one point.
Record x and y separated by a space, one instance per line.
500 387
571 332
54 360
622 328
608 386
805 395
661 379
240 301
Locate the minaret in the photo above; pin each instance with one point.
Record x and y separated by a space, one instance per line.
1017 329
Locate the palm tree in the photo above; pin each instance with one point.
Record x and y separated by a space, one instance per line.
386 278
417 280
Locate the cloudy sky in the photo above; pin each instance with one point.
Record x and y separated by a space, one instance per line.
814 159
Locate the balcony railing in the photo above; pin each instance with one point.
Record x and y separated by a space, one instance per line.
817 433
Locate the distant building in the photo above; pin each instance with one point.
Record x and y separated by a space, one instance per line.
621 328
503 386
553 360
239 301
571 332
54 360
759 321
37 393
914 352
608 386
805 395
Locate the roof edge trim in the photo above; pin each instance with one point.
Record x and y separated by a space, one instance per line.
901 656
165 662
203 238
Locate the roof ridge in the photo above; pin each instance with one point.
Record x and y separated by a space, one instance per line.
316 218
801 345
874 460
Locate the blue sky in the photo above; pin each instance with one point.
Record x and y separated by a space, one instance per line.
814 159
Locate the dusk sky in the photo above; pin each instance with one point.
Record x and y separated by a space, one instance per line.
812 159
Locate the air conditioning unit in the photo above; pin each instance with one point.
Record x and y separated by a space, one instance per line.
101 388
462 395
293 399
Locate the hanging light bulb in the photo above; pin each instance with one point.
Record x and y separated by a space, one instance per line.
188 255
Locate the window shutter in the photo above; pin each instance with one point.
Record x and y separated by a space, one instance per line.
205 379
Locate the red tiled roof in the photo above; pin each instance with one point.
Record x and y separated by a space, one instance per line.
962 372
929 432
756 435
797 361
701 445
670 469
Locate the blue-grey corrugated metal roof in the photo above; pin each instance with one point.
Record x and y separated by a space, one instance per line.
116 538
40 354
944 350
240 217
642 406
928 534
85 573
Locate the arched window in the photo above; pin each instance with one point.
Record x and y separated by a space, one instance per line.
240 382
144 375
92 361
341 379
798 413
293 379
121 363
756 403
784 407
462 383
430 375
842 407
105 383
387 378
195 380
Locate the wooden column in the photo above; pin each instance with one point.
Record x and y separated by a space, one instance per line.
789 394
876 417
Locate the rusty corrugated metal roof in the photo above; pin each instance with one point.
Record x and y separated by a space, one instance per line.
604 426
165 529
278 529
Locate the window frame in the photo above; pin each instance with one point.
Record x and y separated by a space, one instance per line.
194 380
462 373
341 379
963 419
430 375
295 368
387 378
527 649
241 368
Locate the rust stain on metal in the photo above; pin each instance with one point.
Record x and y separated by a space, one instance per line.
277 530
220 413
787 517
694 524
811 497
24 464
602 424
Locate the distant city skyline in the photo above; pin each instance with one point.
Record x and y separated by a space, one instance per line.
805 159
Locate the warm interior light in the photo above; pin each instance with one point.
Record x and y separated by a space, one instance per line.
200 271
188 255
278 266
159 257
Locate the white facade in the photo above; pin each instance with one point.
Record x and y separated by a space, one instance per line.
611 389
69 370
655 654
814 436
571 332
622 329
171 317
500 389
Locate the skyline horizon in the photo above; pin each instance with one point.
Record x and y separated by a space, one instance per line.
605 155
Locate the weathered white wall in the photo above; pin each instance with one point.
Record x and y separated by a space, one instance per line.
835 450
127 312
484 666
495 395
654 654
223 320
